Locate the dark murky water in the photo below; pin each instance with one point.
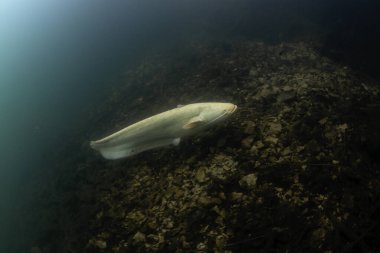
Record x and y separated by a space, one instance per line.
74 71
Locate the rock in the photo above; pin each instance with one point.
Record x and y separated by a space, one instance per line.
99 215
222 167
248 181
169 224
250 127
247 142
286 96
286 151
100 243
259 144
342 127
200 175
136 216
139 237
205 200
275 127
319 234
220 243
201 246
179 193
323 120
236 196
271 139
256 146
253 72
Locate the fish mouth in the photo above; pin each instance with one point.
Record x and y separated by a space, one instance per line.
233 109
227 112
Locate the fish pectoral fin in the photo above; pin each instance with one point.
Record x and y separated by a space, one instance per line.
193 122
176 141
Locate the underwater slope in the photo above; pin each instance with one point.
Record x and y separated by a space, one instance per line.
295 168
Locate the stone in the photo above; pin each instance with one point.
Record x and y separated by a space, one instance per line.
275 127
139 237
247 142
271 139
200 175
248 181
100 243
249 127
236 196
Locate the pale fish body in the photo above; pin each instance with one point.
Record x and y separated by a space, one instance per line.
162 129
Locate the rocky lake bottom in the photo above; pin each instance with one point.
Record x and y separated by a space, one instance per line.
295 169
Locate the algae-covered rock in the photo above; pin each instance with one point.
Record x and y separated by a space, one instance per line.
98 243
247 142
200 175
138 237
222 167
248 181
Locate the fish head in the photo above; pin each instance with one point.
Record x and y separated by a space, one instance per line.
215 112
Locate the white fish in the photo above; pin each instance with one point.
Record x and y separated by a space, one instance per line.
162 129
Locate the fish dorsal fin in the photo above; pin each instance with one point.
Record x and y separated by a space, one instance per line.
194 122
